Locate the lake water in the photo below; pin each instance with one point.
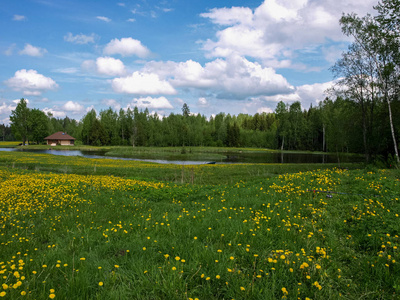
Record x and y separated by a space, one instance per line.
262 157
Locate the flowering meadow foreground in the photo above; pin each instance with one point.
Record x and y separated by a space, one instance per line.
324 234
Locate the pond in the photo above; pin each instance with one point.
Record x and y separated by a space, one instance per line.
230 157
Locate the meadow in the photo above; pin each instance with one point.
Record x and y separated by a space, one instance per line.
76 228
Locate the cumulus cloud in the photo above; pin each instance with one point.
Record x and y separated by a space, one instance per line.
142 84
307 94
151 103
278 27
79 38
267 110
54 112
233 77
16 101
73 107
32 51
230 16
126 47
112 103
104 19
30 82
108 66
7 108
19 18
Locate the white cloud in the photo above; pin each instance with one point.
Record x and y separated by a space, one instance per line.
73 107
91 107
265 110
202 102
307 94
142 84
278 27
16 101
104 19
112 103
230 16
131 20
19 18
80 38
126 47
32 51
110 66
56 113
7 108
151 103
30 82
234 77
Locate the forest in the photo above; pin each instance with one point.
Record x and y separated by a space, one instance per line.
359 114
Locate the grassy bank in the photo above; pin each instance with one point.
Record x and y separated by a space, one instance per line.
171 153
100 229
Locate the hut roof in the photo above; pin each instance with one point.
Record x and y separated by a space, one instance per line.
59 136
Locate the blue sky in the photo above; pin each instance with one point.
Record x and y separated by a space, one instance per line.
67 57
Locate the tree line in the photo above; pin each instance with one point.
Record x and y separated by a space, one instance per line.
359 116
333 126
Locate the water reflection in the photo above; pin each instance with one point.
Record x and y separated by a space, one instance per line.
262 157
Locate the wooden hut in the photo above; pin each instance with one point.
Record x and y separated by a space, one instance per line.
60 138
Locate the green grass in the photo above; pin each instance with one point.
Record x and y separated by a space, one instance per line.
102 234
196 174
12 144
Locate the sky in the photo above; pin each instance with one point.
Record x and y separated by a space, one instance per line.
67 57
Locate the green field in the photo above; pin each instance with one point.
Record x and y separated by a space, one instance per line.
76 228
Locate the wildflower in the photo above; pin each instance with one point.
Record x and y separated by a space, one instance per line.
177 258
284 291
82 258
52 296
218 277
242 288
101 283
173 268
2 294
144 248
